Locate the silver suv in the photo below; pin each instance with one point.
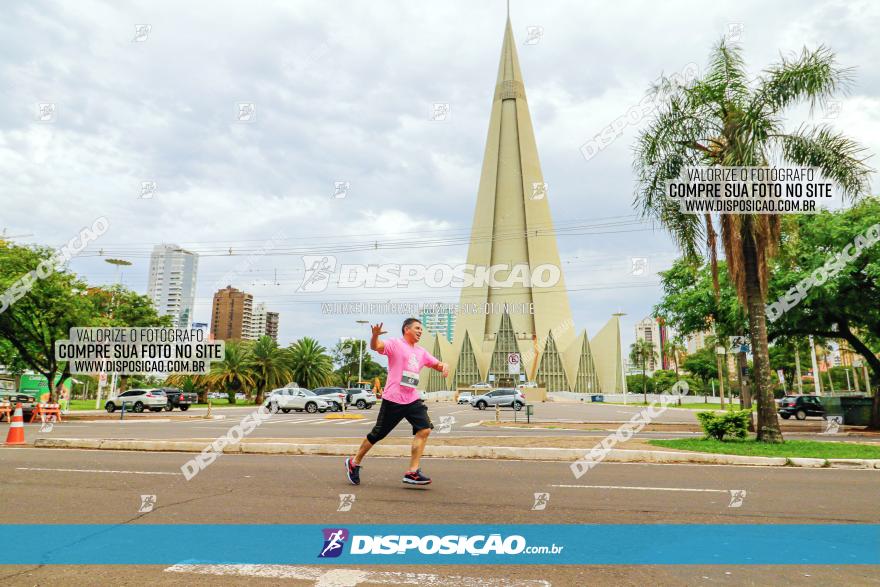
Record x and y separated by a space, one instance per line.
500 397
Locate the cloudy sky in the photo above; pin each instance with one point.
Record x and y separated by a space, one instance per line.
343 92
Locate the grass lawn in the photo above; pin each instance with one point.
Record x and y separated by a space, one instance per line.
791 448
689 405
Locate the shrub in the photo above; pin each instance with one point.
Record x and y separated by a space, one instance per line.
733 423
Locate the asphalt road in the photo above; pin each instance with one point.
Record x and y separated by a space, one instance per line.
299 425
105 487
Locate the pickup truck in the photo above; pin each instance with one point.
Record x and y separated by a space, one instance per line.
28 402
179 399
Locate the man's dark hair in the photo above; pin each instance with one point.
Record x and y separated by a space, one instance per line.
407 322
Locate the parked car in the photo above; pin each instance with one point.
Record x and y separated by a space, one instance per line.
465 397
297 399
527 385
481 385
801 406
136 400
179 399
335 396
28 402
361 398
500 397
240 397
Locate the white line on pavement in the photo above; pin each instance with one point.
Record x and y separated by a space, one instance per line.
96 471
351 577
643 488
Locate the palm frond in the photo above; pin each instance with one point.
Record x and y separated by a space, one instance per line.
812 75
840 158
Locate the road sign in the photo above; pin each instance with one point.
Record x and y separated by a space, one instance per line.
739 344
781 376
513 363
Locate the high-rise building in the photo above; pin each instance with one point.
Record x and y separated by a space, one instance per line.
231 314
440 322
263 323
258 321
650 330
171 283
272 325
525 330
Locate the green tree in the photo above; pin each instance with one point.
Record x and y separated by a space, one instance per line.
702 364
847 305
673 349
235 372
723 118
310 364
270 367
44 314
641 352
664 379
640 381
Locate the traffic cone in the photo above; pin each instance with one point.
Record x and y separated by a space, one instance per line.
16 427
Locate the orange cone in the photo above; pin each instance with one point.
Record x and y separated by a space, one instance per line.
16 427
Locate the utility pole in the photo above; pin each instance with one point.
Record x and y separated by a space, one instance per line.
797 369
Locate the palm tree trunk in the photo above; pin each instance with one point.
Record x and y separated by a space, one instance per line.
768 422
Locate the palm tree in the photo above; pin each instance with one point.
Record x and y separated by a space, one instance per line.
673 349
724 119
269 366
640 353
234 372
309 363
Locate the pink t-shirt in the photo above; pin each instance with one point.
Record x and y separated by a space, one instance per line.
405 361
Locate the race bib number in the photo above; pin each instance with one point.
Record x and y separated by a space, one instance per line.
409 380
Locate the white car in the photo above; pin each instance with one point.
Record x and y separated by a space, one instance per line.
465 397
136 400
361 398
295 398
482 385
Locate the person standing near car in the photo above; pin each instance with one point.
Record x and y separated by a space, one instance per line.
400 399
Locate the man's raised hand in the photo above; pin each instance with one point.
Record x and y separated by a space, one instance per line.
377 329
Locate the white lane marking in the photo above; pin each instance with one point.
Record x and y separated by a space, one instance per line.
643 488
96 471
351 577
471 425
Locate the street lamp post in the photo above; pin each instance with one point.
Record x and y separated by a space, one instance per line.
361 353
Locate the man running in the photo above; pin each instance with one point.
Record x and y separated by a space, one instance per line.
401 398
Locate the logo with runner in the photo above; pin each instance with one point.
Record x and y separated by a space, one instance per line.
334 540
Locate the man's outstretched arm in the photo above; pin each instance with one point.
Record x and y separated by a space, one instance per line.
376 344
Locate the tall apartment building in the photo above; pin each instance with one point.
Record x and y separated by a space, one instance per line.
171 283
258 322
651 330
441 323
272 325
263 323
232 314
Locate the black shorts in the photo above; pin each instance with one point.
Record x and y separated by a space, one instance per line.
390 415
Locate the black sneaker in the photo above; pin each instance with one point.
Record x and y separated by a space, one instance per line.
353 471
416 478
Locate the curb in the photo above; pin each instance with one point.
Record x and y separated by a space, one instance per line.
461 452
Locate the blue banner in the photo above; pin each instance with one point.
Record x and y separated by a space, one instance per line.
529 544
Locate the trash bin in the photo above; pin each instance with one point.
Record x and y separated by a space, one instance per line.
856 410
597 398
